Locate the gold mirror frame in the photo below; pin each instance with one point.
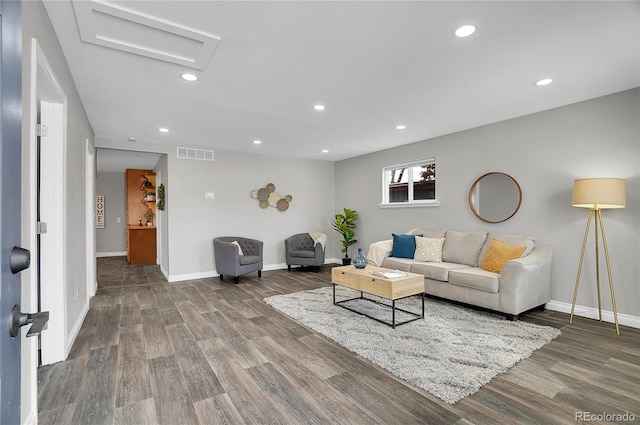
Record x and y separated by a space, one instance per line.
473 189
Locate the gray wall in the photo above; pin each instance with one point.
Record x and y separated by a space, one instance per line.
190 222
545 153
113 238
35 24
194 221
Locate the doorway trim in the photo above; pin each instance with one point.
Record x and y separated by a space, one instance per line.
92 283
45 87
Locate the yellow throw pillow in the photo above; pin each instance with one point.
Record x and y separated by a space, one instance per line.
499 253
428 249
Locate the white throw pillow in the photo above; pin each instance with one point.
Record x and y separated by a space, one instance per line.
428 249
238 245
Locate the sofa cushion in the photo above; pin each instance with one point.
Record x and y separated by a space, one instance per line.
249 259
394 263
463 247
404 246
302 253
522 240
436 271
428 249
476 278
499 253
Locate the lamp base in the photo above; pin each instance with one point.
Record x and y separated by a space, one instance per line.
596 214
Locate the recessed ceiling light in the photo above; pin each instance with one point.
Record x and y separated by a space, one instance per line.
189 77
163 130
319 107
325 150
400 127
543 82
257 142
465 31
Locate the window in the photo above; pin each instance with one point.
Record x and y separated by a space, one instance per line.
412 184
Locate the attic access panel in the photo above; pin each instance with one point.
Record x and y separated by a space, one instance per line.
123 29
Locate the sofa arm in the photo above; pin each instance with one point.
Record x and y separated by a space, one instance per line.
526 282
378 251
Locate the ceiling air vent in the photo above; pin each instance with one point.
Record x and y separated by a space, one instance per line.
191 153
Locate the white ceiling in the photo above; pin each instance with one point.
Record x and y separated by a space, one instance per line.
373 64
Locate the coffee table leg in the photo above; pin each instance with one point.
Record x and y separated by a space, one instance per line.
393 314
423 305
334 294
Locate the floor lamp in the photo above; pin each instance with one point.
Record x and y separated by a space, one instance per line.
598 194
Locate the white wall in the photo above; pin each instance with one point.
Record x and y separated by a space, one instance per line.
161 170
545 153
113 238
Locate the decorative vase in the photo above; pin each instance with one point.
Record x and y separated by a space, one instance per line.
360 262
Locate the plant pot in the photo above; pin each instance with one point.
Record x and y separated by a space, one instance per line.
149 223
346 261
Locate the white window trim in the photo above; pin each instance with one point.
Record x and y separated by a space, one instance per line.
420 204
408 204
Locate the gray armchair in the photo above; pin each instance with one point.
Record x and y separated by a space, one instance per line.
302 250
230 262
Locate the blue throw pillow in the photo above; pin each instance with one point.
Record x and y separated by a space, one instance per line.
404 246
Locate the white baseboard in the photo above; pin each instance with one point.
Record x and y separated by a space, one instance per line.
190 276
32 419
112 254
214 273
71 338
592 313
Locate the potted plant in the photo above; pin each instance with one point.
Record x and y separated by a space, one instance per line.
149 216
344 224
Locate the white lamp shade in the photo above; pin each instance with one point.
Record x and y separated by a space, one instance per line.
599 193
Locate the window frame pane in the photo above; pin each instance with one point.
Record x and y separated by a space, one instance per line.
412 172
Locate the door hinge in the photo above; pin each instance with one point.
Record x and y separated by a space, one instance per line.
41 227
41 130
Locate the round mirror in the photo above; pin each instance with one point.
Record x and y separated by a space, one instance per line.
495 197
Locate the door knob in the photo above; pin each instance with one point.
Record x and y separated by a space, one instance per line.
19 259
19 319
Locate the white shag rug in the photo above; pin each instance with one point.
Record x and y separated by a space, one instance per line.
452 353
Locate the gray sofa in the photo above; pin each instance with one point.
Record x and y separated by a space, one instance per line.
521 285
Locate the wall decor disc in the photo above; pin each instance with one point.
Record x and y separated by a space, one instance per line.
263 194
254 194
271 187
274 197
288 198
283 205
264 204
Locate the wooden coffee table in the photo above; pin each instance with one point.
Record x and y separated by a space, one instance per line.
392 289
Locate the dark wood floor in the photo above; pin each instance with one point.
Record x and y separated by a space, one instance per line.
211 352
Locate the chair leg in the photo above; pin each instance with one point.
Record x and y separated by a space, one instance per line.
288 268
221 277
259 273
236 279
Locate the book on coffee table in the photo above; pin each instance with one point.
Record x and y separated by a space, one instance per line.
389 274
